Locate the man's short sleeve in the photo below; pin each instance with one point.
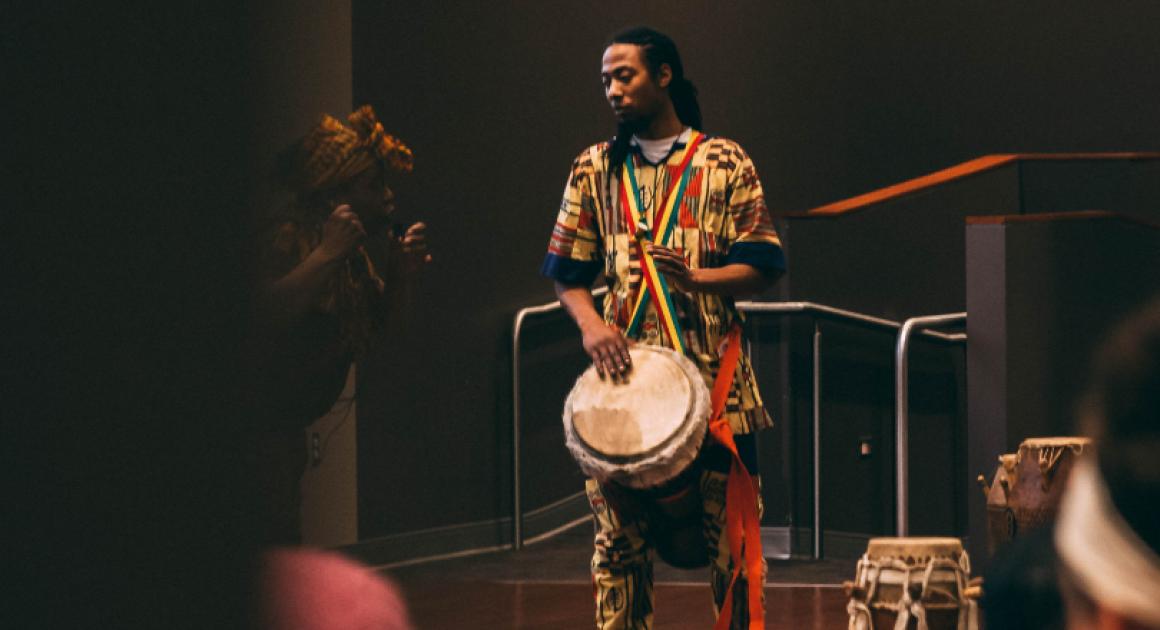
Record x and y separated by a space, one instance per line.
756 242
574 253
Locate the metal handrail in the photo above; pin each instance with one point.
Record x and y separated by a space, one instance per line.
837 313
785 308
816 404
902 409
843 315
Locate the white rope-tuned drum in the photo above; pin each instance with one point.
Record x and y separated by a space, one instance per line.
643 431
919 583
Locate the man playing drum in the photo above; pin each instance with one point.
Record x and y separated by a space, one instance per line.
677 222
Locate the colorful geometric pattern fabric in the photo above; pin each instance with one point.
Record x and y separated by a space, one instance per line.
722 220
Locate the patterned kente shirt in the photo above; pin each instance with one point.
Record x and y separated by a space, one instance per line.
722 220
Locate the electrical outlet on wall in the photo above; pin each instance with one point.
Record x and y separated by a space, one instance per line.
315 449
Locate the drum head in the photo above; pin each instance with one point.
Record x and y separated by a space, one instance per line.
1046 442
636 416
641 430
915 549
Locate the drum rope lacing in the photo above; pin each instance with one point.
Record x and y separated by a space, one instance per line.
1049 456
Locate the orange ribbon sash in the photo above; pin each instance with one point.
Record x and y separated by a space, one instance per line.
742 524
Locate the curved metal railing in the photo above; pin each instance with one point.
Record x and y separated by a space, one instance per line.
781 308
902 409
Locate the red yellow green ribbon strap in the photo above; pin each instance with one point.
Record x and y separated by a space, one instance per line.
654 287
742 525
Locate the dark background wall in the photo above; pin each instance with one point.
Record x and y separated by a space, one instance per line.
1042 292
125 230
830 99
136 148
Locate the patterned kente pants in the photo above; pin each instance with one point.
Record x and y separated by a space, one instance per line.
622 565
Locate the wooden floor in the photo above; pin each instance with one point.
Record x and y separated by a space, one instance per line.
547 586
528 605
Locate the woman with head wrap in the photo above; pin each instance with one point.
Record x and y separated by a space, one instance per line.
338 174
325 294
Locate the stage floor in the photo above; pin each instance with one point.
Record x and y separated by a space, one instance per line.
546 585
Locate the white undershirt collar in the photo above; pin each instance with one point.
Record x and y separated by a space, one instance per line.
654 151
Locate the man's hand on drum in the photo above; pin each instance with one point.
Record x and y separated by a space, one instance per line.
673 265
607 348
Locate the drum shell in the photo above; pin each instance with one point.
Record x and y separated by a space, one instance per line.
941 618
672 513
1037 488
1001 527
1027 487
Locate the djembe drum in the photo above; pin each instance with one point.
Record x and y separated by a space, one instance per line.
1027 486
918 583
640 437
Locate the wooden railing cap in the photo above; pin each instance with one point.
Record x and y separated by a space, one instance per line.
1052 217
959 171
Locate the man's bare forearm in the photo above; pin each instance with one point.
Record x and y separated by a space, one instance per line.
604 344
736 280
578 301
733 280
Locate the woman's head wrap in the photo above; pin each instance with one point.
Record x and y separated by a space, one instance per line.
332 153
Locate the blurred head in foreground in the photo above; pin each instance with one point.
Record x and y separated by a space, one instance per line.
1108 532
